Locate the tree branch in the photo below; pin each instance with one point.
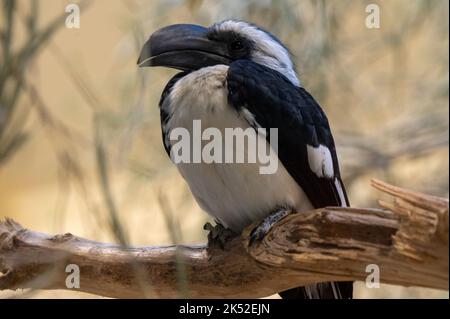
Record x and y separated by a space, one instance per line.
408 240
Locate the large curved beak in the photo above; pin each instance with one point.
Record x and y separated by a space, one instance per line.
184 47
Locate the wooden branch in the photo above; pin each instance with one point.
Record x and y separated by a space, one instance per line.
408 240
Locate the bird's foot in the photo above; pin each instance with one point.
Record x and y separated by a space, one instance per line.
260 231
218 235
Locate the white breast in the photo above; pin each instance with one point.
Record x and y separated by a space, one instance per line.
235 194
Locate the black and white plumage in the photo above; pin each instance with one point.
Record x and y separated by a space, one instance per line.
238 75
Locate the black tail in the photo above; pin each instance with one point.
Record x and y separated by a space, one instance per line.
323 290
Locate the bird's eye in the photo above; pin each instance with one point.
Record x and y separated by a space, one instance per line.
237 45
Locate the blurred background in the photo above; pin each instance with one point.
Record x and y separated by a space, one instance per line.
80 144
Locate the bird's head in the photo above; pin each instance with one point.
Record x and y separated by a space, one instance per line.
190 47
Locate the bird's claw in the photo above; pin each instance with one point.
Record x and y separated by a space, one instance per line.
218 234
260 231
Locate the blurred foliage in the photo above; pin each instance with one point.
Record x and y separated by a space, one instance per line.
13 65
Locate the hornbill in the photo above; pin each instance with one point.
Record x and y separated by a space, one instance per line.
237 75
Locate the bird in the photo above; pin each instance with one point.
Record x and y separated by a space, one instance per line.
235 74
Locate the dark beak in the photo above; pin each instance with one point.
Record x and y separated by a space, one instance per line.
184 47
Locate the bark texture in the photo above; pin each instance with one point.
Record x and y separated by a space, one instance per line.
407 239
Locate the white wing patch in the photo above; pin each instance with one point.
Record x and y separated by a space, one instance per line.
249 117
320 161
340 191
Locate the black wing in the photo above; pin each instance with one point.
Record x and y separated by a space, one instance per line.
277 103
164 115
